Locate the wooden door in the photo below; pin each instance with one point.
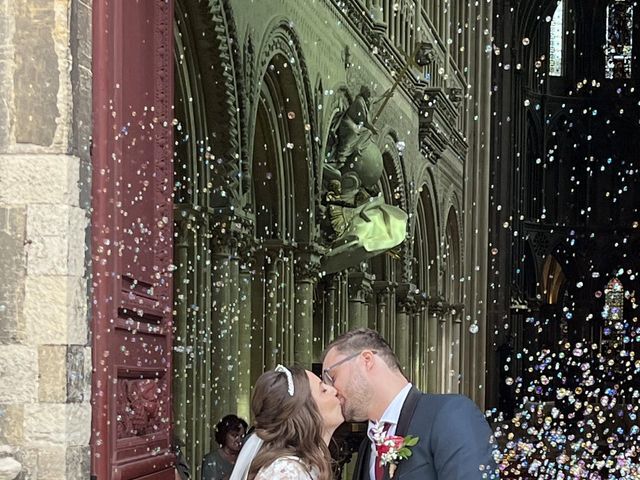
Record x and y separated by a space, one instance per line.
131 244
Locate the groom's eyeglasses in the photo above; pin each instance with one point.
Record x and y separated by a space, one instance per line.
326 376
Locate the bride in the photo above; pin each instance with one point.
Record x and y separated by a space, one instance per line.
295 415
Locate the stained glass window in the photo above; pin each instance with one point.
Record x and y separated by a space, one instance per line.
613 305
556 43
619 39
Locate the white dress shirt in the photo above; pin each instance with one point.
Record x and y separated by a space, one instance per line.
390 416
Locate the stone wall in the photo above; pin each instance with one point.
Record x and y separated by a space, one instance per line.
45 359
458 182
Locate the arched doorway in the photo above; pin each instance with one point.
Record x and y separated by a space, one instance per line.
282 172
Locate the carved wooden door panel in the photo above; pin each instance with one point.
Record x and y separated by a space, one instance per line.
131 245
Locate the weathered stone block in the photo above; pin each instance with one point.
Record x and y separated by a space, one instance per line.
56 310
52 462
78 462
47 255
12 272
18 374
47 309
78 423
77 246
81 77
52 365
31 179
37 72
11 424
78 374
7 65
57 239
48 220
45 424
78 323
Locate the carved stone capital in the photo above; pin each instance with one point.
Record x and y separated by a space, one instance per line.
406 298
307 262
437 306
384 287
360 286
230 227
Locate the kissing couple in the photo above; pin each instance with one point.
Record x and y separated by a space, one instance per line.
411 435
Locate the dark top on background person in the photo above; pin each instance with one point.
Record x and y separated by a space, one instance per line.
218 464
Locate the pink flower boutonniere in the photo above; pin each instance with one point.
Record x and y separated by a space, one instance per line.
392 448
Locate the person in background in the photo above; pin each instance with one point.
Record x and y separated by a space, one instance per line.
218 464
182 470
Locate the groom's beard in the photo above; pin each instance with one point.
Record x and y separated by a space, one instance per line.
356 400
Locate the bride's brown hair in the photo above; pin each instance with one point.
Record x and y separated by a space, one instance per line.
288 425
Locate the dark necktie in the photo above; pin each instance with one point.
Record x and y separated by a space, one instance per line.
378 468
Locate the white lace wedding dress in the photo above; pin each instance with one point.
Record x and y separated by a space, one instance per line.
287 468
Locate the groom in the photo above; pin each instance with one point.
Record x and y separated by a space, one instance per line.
454 437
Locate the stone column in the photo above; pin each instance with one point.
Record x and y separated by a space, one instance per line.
307 268
220 329
417 358
200 409
444 349
360 290
180 334
381 289
234 328
456 339
404 306
329 306
271 346
435 312
244 341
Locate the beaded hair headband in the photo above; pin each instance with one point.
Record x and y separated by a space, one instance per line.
287 372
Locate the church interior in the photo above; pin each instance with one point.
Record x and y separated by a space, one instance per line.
194 191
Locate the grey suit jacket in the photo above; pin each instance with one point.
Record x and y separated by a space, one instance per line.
455 440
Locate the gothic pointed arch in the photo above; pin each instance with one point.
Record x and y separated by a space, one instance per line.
425 251
452 258
552 280
281 199
208 193
282 80
211 47
530 13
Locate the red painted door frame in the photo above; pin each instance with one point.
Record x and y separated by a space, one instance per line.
132 239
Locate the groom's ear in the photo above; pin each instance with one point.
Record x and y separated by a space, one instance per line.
369 359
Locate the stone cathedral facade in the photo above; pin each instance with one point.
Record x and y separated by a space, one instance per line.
171 226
